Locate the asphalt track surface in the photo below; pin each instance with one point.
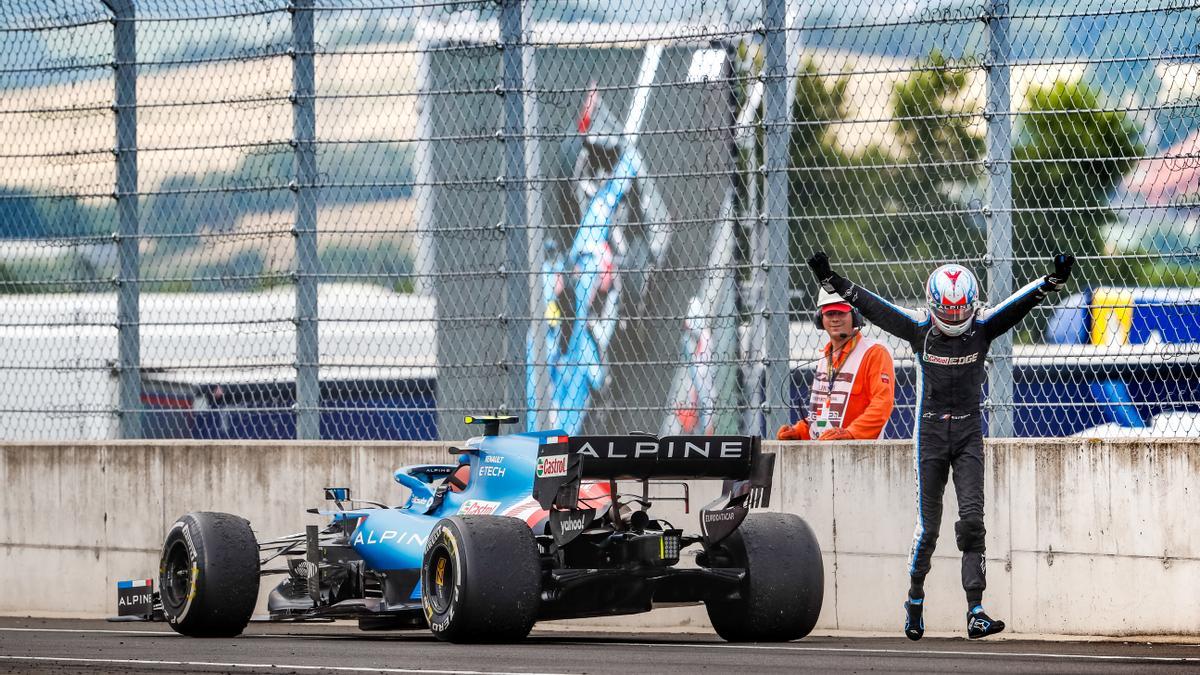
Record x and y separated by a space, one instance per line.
74 646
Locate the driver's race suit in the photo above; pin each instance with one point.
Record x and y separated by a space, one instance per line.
948 419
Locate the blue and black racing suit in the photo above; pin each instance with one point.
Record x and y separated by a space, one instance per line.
949 427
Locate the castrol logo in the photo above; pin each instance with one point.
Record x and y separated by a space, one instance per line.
552 466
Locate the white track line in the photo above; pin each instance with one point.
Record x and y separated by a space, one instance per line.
791 647
910 652
110 631
260 666
173 634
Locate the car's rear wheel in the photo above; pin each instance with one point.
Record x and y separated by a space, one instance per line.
785 580
481 579
208 575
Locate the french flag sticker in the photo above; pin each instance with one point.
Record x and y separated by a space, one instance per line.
135 597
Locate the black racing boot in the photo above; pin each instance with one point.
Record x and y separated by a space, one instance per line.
980 625
914 622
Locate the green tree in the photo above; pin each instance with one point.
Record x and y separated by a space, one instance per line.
818 186
9 281
1070 156
939 155
816 106
933 131
886 205
903 202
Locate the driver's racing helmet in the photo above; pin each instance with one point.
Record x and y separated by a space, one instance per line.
952 293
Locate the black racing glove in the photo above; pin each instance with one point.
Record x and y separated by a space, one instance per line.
819 263
1063 262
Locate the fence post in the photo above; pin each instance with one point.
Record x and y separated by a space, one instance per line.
536 374
129 397
516 302
999 214
304 132
775 210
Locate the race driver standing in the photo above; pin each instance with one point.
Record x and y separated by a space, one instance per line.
950 338
853 389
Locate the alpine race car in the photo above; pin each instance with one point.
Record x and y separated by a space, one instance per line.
524 527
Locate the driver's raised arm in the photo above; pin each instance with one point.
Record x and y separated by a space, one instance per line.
999 319
901 322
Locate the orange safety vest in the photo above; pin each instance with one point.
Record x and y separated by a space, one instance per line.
861 398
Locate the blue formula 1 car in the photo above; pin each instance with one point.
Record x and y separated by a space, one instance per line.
526 527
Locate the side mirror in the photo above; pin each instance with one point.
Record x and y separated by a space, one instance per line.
337 494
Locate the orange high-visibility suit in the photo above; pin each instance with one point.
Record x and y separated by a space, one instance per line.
870 400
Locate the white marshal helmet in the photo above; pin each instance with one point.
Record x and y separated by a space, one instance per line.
826 298
952 294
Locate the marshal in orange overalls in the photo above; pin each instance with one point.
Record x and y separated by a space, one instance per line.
860 401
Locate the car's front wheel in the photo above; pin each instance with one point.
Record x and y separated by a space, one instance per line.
208 575
481 579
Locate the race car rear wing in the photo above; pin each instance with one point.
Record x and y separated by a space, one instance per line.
563 461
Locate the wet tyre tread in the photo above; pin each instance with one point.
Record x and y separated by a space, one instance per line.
785 582
501 580
227 560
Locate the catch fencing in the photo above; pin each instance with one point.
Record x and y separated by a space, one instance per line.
366 218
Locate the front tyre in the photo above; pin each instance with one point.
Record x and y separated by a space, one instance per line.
785 581
481 579
208 575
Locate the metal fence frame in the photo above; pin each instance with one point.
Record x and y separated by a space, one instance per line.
768 349
770 346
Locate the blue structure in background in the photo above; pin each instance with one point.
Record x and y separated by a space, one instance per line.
585 285
1155 315
355 410
1052 400
1062 400
1134 353
1146 362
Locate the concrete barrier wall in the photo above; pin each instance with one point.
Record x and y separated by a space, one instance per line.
1084 537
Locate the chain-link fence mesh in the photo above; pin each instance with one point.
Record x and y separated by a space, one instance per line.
364 218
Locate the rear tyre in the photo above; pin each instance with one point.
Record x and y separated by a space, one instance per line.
208 575
481 579
785 580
